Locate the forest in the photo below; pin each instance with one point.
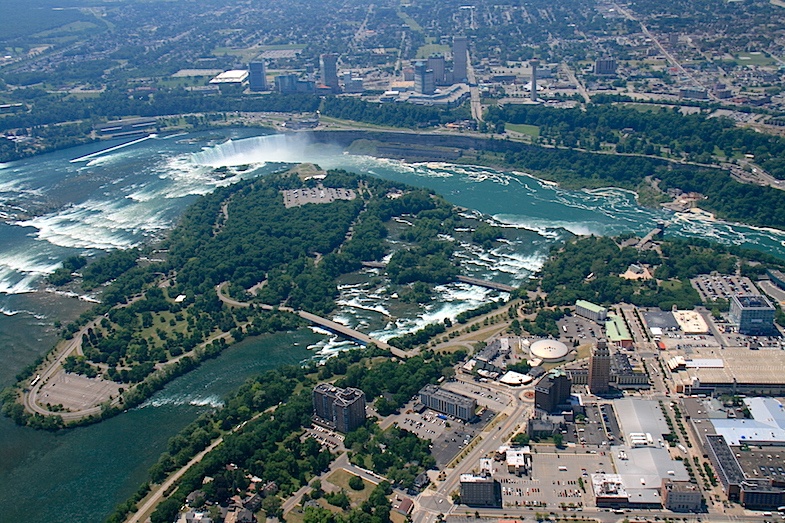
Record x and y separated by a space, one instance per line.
277 406
665 132
588 268
155 314
395 115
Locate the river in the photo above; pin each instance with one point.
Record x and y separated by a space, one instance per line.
53 206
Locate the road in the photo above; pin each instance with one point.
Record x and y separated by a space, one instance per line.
474 90
155 497
430 504
581 88
628 14
74 345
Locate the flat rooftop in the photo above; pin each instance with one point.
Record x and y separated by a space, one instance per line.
753 301
746 366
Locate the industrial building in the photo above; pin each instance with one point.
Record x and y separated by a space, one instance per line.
480 491
730 371
753 313
447 402
755 493
552 392
341 409
591 311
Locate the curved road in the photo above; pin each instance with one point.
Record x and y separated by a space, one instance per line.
31 397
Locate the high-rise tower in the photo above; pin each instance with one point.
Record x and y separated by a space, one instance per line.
328 64
257 80
534 64
600 368
423 79
459 56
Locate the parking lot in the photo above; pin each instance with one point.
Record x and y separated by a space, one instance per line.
578 328
447 435
555 480
329 439
722 286
484 395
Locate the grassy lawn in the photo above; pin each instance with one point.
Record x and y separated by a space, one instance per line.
351 123
645 108
531 130
429 49
280 47
672 285
340 478
411 22
753 58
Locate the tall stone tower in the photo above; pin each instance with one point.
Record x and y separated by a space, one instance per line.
600 368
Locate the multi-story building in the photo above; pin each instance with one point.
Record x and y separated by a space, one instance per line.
436 64
681 496
552 392
328 67
600 368
460 50
591 311
341 409
605 66
448 402
291 83
257 76
753 313
480 491
423 79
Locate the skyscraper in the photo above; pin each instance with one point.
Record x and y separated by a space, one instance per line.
257 80
423 79
600 368
534 64
328 64
436 63
459 56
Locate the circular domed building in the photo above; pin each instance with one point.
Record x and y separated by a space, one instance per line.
549 351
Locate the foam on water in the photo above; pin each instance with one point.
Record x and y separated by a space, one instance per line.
211 401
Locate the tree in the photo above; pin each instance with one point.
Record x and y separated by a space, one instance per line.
558 440
356 483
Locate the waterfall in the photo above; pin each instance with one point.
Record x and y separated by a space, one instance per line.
258 149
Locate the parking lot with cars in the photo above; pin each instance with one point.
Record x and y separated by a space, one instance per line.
557 479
